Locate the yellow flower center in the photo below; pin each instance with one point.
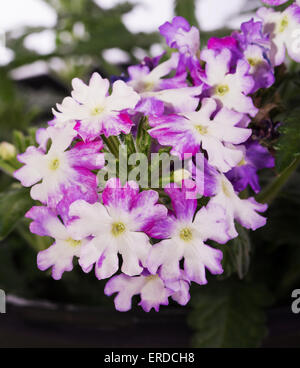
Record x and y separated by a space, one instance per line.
242 162
54 164
97 110
117 228
253 62
222 89
201 129
73 243
186 234
225 189
148 86
151 277
283 24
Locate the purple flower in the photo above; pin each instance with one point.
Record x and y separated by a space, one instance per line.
260 67
274 2
230 43
186 132
254 47
151 288
143 78
255 157
185 233
160 94
180 35
116 226
61 176
251 34
59 256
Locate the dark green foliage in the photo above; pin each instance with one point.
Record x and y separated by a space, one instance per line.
288 145
229 314
236 254
13 206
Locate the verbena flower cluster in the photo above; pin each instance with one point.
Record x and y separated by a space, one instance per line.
153 242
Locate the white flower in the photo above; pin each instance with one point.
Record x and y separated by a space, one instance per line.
242 210
98 112
283 28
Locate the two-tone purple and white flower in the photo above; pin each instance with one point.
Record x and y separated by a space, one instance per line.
61 175
230 90
59 256
118 226
255 157
153 291
95 111
186 39
244 211
283 30
184 234
187 132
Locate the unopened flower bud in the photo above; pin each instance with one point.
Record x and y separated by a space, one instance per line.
180 175
7 151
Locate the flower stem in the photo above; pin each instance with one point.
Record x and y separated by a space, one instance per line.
268 194
112 144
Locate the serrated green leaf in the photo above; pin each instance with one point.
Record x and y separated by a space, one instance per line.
13 206
229 314
288 146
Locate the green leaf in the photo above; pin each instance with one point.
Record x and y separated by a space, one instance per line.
288 146
7 167
186 9
236 254
19 141
13 205
268 194
229 314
